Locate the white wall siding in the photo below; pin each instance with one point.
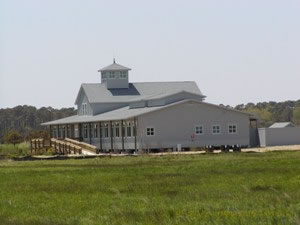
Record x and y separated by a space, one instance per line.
279 136
176 125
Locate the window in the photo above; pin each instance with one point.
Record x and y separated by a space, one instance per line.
232 129
85 131
150 131
117 129
106 130
123 75
103 75
112 75
199 130
84 109
216 129
96 130
129 133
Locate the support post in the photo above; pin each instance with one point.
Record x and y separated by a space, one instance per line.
100 135
111 137
135 133
90 133
122 133
79 131
50 130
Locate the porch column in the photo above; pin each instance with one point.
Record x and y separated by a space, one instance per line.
50 129
64 131
58 132
122 133
135 133
90 132
111 136
100 135
79 132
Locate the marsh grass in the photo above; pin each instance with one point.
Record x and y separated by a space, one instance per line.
262 188
15 150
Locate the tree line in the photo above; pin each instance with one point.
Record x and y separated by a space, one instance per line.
26 120
271 112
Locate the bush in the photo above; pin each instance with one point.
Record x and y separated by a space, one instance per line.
13 137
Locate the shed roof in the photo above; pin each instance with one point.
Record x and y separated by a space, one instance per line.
282 125
128 113
98 93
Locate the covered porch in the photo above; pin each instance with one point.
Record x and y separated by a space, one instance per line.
107 136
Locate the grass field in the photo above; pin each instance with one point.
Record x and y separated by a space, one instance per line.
253 188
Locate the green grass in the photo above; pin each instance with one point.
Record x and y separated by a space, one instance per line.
15 150
253 188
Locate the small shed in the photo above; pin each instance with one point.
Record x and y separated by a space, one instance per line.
284 133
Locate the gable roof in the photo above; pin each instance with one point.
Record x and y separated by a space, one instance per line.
114 67
282 125
129 113
98 93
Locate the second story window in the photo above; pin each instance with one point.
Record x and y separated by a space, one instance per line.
84 108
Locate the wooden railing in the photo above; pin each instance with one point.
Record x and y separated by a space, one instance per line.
83 145
39 144
63 147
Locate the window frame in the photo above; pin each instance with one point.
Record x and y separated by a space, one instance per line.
202 129
233 125
212 129
129 128
150 131
84 108
106 130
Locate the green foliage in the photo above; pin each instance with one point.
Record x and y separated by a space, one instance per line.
13 137
296 115
257 188
26 119
271 112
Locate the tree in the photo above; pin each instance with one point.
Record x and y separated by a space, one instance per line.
13 137
296 115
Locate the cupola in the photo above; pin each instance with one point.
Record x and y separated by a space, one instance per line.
115 76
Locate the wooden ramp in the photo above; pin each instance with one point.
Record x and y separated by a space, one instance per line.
69 146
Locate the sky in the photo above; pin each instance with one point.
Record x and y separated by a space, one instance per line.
237 51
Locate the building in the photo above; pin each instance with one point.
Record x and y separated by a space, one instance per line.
281 133
116 115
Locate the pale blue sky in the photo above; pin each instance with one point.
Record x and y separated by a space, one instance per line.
238 51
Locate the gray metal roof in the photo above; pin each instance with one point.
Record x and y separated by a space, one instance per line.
282 125
128 113
114 67
98 93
